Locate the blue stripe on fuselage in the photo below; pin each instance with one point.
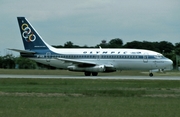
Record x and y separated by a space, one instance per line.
43 54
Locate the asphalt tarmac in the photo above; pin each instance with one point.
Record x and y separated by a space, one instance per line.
92 77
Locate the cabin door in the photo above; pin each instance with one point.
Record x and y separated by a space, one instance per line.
145 57
48 56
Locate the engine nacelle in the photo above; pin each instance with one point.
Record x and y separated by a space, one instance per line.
97 68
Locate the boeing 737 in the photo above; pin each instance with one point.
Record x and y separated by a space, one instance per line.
91 61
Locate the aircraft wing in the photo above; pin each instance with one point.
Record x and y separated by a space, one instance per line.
23 51
78 62
83 63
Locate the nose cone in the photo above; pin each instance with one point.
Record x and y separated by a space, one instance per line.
169 64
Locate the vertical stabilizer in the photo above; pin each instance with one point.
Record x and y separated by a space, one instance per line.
31 39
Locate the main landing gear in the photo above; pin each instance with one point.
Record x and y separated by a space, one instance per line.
151 74
89 73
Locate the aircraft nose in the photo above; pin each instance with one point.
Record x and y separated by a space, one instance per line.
169 64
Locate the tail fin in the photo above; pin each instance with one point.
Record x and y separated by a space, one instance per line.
31 39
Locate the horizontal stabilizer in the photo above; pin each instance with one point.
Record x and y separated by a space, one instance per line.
23 51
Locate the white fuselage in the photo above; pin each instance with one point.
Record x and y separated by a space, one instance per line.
121 59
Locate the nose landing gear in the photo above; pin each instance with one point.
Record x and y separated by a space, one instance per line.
150 73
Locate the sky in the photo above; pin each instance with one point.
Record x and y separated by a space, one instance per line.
88 22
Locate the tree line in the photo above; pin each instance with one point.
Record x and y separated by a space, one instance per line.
161 47
166 48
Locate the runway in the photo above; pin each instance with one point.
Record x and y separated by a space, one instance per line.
91 77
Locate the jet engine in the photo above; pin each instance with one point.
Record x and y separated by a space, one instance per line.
97 68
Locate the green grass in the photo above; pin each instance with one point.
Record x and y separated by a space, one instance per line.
88 98
89 107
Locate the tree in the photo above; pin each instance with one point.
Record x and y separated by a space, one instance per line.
68 44
8 61
177 45
162 47
57 46
24 63
166 47
177 48
115 43
134 44
103 44
1 61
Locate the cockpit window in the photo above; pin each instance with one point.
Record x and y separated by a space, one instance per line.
159 56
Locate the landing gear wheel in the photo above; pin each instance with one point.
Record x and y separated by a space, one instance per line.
151 74
87 73
94 73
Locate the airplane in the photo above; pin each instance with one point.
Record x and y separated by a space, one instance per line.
91 61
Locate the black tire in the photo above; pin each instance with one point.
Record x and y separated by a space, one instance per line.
151 74
94 73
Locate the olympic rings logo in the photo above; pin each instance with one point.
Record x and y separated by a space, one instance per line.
27 33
